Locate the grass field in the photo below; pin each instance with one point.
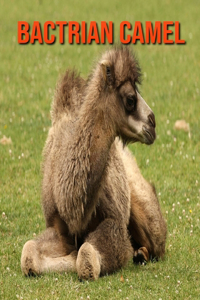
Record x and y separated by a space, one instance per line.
171 86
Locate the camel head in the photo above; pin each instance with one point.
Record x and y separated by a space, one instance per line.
121 75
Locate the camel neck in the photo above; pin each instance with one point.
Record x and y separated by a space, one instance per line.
87 159
96 135
96 127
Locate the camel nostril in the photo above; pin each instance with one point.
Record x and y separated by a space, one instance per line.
152 120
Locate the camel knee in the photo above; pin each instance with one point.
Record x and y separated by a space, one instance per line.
88 262
30 262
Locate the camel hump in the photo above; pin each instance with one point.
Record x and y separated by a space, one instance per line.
67 95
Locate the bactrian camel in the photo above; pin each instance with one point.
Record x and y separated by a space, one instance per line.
100 212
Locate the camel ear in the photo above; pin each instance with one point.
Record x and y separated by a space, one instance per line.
108 72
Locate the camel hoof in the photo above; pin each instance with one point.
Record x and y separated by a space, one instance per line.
141 256
88 262
30 264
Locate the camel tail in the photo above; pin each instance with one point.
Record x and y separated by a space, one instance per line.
68 95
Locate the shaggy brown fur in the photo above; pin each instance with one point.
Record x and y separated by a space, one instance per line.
99 210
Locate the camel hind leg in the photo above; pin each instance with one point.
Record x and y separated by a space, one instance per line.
48 253
147 225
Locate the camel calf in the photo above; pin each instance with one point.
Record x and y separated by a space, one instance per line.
99 210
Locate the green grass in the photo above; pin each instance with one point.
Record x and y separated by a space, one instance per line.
171 86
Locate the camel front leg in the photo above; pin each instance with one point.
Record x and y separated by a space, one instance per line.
105 250
48 253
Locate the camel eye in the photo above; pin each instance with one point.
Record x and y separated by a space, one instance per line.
131 102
